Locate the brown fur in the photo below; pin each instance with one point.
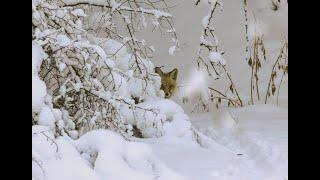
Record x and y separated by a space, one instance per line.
168 81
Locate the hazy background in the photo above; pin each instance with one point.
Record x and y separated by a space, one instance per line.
229 25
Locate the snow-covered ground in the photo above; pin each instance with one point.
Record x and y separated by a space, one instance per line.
249 143
255 148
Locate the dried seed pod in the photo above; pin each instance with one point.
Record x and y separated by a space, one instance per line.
273 88
250 62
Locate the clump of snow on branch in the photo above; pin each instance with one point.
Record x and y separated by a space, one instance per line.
217 58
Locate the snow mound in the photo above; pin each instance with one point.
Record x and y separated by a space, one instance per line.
176 121
97 155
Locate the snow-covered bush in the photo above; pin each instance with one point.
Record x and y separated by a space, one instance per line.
88 74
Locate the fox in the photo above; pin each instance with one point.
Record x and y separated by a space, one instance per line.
168 81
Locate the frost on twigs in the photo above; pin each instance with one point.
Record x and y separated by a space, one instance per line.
209 59
92 75
121 20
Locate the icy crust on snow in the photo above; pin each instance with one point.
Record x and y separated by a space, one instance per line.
97 155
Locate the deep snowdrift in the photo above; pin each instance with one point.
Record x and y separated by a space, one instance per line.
254 147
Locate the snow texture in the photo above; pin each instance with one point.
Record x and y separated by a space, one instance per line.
246 143
216 57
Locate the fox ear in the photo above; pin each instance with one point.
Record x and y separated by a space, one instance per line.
158 71
174 73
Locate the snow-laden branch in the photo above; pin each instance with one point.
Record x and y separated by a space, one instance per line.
134 14
211 59
116 6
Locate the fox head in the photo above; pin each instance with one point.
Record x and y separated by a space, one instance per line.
168 81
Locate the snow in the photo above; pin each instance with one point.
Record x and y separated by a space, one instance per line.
205 21
63 40
38 87
177 124
62 66
115 5
62 163
216 57
156 13
84 44
37 56
205 42
245 143
260 134
38 93
172 49
193 161
78 12
46 117
255 147
195 85
115 158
